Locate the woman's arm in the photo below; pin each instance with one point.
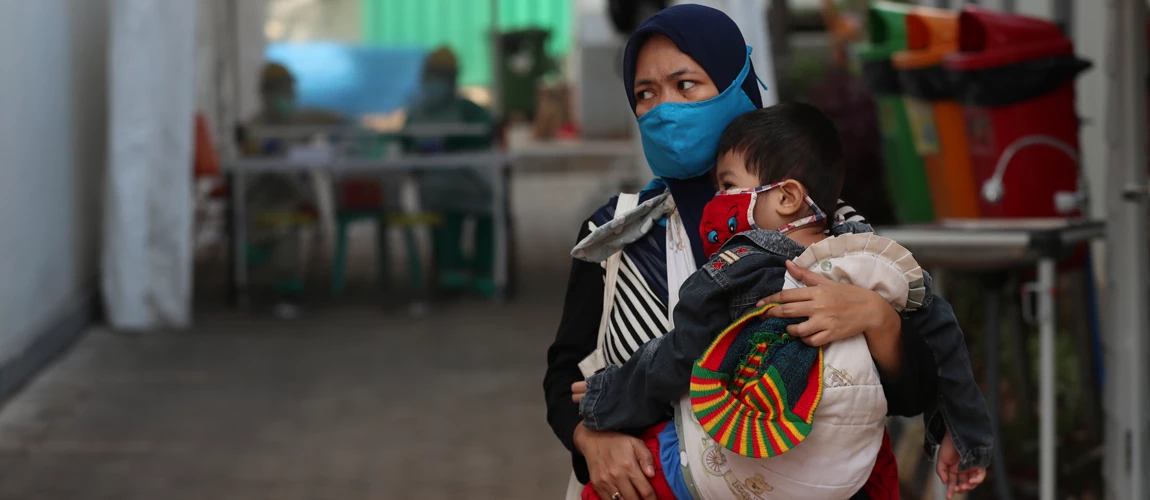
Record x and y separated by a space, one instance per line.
922 358
837 311
959 399
575 339
913 390
910 376
884 340
615 462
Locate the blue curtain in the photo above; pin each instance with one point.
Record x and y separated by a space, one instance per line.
348 79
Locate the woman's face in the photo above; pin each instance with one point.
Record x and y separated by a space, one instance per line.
665 74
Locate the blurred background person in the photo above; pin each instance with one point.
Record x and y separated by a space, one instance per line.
462 196
280 205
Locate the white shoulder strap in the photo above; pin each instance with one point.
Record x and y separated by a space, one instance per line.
680 262
597 361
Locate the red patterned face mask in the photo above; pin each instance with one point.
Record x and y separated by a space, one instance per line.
733 211
723 217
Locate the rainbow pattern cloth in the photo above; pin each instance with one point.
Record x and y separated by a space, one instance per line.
755 389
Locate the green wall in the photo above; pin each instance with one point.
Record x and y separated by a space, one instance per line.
464 25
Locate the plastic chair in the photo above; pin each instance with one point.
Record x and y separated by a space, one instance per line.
361 201
257 255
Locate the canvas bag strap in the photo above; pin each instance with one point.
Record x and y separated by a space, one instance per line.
596 360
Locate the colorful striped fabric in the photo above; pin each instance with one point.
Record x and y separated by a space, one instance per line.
766 405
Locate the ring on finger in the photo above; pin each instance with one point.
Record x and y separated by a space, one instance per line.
616 496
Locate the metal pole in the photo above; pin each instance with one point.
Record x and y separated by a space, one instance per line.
1125 460
233 41
1127 246
1020 354
499 224
1133 224
239 239
1046 329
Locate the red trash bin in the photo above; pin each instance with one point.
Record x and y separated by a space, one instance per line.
1015 78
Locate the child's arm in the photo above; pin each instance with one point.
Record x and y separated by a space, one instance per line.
959 400
947 469
638 394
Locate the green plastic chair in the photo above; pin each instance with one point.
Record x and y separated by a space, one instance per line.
258 255
383 221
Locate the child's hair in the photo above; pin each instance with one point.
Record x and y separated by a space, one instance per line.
790 140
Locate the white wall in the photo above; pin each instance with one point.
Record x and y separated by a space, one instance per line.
312 20
1037 8
995 4
52 156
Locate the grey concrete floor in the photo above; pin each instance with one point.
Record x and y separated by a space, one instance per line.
347 402
352 401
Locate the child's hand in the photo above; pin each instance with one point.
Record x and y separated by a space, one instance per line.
947 469
578 389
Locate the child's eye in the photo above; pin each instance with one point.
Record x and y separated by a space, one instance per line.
732 224
686 85
713 236
726 186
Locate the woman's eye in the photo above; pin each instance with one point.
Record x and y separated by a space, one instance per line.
732 224
713 236
686 85
643 95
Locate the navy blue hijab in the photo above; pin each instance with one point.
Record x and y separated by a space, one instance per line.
714 41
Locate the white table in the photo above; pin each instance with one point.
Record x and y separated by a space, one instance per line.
563 148
981 246
433 130
238 169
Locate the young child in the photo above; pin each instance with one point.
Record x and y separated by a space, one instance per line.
793 421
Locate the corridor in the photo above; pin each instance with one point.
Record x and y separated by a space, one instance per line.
348 402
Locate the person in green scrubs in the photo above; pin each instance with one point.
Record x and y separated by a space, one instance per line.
462 196
279 204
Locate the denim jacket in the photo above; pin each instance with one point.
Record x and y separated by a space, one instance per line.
638 394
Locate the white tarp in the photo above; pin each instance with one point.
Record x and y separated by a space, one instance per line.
229 55
147 253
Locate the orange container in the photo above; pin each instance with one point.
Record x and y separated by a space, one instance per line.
937 121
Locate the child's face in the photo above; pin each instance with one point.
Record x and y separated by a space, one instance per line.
774 208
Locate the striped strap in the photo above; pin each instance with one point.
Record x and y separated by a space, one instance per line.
597 360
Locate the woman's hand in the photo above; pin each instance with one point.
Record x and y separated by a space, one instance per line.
837 311
618 463
578 390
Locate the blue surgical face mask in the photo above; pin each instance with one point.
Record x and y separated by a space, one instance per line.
680 139
284 106
438 91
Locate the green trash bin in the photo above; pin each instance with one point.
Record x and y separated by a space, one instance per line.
523 64
905 170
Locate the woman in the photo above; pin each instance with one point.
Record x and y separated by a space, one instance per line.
692 54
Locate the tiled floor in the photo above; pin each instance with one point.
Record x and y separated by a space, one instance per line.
344 403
